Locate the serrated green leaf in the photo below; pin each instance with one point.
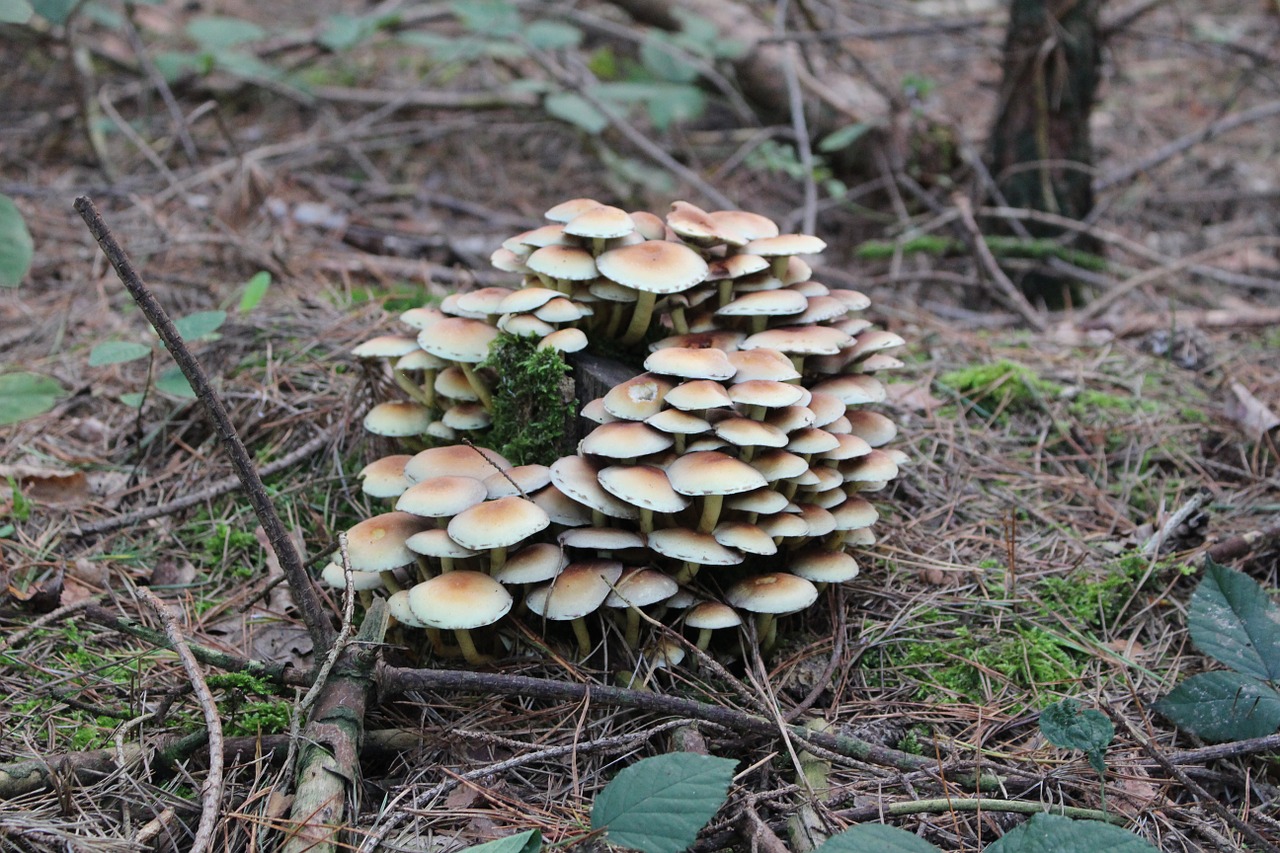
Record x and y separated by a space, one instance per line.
575 110
1047 833
254 289
173 383
658 805
16 246
214 32
115 352
662 58
1066 725
15 11
24 395
525 842
844 137
876 838
1222 706
488 17
200 324
553 35
1234 621
54 11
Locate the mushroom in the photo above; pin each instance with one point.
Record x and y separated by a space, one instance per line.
459 602
637 588
769 596
577 591
495 525
651 268
709 616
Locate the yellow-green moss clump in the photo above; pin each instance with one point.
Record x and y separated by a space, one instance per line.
1002 385
533 400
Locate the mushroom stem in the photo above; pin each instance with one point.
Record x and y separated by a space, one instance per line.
446 565
584 637
724 292
497 559
767 630
469 650
704 638
646 521
389 581
615 322
679 323
688 571
424 569
478 385
632 633
711 505
413 389
641 313
779 265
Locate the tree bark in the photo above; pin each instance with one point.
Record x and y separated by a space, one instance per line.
1041 152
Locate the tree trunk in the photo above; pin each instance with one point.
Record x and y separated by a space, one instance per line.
1041 154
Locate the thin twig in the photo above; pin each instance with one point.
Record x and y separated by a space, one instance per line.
308 599
877 33
1012 295
1152 546
211 793
161 85
795 101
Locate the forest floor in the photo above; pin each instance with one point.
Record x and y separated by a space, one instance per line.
1012 568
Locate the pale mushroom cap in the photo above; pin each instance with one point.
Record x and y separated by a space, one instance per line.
335 577
655 266
483 300
643 485
422 317
565 340
384 478
875 467
744 432
677 422
458 339
600 538
847 447
624 440
398 419
691 546
602 221
578 590
712 615
779 464
744 537
825 407
527 299
497 523
440 496
800 340
791 418
721 339
639 587
458 459
437 543
737 266
698 395
822 309
665 653
522 325
690 363
776 592
386 346
766 392
812 440
785 244
449 305
506 260
420 359
649 225
467 416
561 508
535 563
764 500
820 566
750 226
713 473
567 210
568 263
821 521
853 299
783 524
637 398
873 341
378 544
872 427
852 389
438 429
765 303
576 477
452 383
762 363
460 600
854 514
596 413
398 606
513 481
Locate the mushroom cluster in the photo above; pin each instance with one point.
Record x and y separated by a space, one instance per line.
726 478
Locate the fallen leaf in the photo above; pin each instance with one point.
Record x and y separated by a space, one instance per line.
1249 413
48 486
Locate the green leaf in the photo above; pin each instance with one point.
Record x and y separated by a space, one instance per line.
525 842
133 399
173 383
1047 833
1223 706
662 59
16 246
25 395
658 805
1064 724
1233 621
676 103
254 289
174 64
115 352
575 110
200 324
488 17
244 64
343 32
213 32
842 138
54 11
553 35
876 838
15 11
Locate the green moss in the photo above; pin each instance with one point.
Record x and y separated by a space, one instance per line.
533 401
1001 247
1002 385
1098 602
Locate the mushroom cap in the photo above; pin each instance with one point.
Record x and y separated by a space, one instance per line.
398 419
522 325
822 309
420 359
677 422
766 392
527 299
654 266
458 339
600 538
602 222
776 592
820 566
848 447
744 432
825 407
713 473
821 521
422 317
384 478
437 543
568 210
872 427
637 398
783 524
459 601
567 263
712 615
577 478
812 440
506 260
665 653
764 500
690 546
565 340
690 363
334 575
649 225
762 363
441 496
498 523
854 514
453 383
785 244
398 606
595 412
697 395
561 508
875 467
765 303
736 266
790 418
535 563
721 339
779 464
527 479
378 544
744 537
692 223
624 440
640 587
386 346
852 388
466 416
853 299
747 225
799 340
466 460
483 300
578 590
645 486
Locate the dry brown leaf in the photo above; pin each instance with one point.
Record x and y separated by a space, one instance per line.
48 486
1249 413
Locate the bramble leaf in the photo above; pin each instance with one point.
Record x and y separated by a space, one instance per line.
25 395
16 246
1234 621
876 838
1066 725
658 805
1047 833
1223 706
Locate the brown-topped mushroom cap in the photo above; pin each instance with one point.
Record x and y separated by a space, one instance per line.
459 601
713 473
457 459
690 546
458 339
578 590
637 398
776 592
398 419
384 478
644 486
386 346
654 266
498 523
442 496
624 440
378 544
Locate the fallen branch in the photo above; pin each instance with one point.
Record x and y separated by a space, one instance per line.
304 592
1009 291
1244 544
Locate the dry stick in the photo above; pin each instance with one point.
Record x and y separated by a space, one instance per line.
212 788
1008 289
1244 544
393 681
1183 143
313 612
795 101
161 85
1152 546
221 487
1207 799
878 33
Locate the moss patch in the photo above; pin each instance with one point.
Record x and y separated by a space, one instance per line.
533 401
1002 385
1098 602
